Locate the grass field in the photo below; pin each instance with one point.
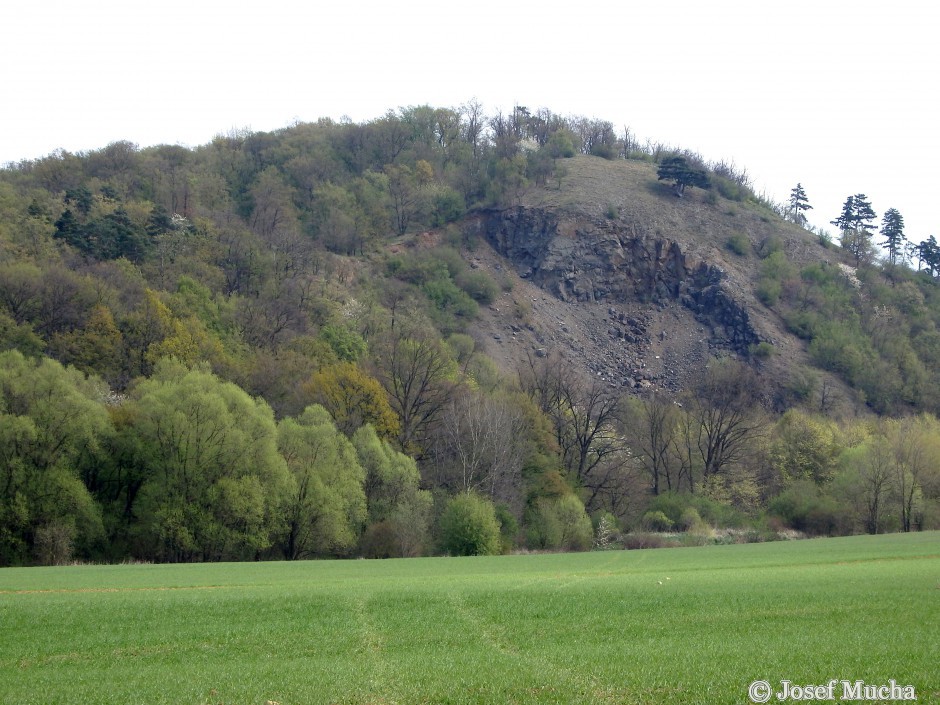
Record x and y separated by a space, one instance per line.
693 625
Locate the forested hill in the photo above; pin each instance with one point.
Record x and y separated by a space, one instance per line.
445 331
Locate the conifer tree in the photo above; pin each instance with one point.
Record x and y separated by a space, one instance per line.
678 170
855 222
892 227
798 204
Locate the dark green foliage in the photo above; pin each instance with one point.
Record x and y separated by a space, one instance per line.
856 221
682 174
892 227
798 205
448 207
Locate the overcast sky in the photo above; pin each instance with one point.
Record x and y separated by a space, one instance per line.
839 96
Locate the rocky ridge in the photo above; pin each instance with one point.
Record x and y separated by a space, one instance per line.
636 310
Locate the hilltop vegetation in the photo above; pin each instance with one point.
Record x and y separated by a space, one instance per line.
281 345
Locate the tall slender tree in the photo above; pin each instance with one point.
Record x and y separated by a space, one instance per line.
799 203
892 227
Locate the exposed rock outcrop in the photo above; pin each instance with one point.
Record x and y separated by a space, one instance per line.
610 262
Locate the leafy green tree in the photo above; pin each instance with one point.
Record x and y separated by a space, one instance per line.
892 227
353 399
399 511
52 425
216 487
804 448
468 527
327 506
678 170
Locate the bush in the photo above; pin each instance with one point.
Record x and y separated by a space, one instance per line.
560 523
644 540
657 521
731 190
769 246
804 507
762 350
348 345
448 207
713 513
738 244
479 286
468 527
508 528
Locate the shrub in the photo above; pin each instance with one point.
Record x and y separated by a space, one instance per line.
448 207
768 291
479 286
769 246
762 350
508 527
690 519
644 540
729 189
468 527
714 513
738 244
804 507
560 523
657 521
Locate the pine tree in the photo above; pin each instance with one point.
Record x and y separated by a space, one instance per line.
928 253
846 219
798 204
856 221
892 227
678 170
864 215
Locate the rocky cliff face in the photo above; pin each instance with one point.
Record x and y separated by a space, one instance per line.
614 263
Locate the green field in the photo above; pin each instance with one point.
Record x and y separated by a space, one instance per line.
692 625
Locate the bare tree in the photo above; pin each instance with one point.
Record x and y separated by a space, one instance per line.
417 374
584 417
481 444
725 407
653 427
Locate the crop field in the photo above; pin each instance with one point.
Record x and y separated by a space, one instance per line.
691 625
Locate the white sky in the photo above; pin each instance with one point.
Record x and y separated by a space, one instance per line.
840 96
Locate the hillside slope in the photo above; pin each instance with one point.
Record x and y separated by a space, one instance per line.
632 284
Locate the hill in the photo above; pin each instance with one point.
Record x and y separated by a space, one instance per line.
315 341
